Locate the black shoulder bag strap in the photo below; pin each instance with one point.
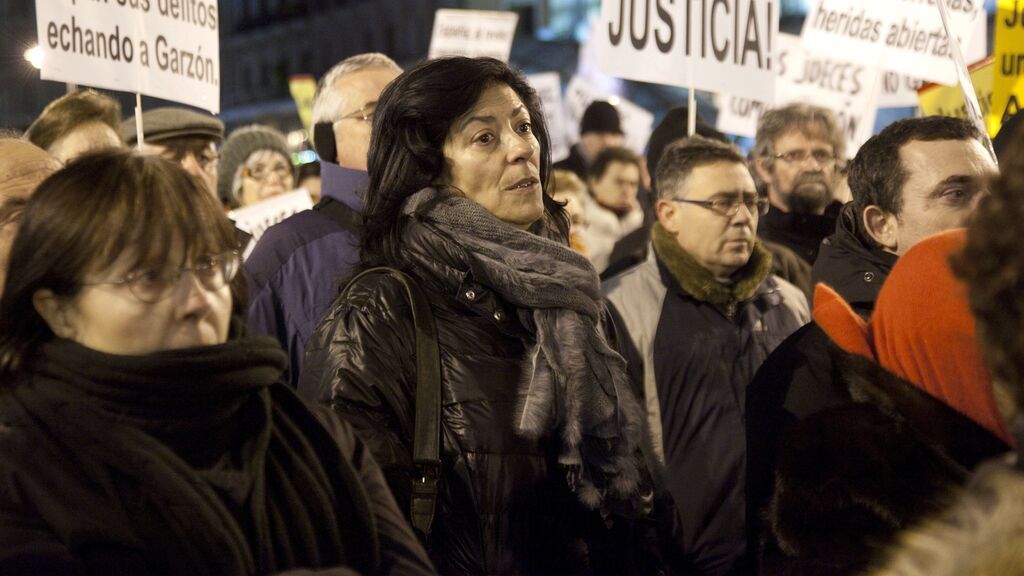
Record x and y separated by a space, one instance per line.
341 213
427 432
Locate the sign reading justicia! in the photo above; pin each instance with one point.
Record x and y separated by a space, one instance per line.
715 45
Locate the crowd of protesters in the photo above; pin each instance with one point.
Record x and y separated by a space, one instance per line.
468 359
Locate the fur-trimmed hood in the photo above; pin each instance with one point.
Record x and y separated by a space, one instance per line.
981 534
850 477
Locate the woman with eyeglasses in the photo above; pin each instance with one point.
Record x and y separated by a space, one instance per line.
538 426
254 166
141 431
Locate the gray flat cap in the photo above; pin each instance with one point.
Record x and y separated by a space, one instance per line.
169 122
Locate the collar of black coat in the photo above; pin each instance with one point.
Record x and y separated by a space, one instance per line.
941 426
851 266
699 282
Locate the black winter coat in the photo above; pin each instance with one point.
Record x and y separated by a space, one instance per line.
504 506
850 477
850 266
190 461
799 379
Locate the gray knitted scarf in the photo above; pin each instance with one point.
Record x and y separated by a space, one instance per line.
572 380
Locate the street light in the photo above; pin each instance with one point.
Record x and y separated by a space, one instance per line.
34 55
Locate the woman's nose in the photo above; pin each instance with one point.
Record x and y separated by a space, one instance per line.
521 148
197 296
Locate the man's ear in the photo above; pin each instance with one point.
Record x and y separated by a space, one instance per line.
882 227
666 211
762 171
55 312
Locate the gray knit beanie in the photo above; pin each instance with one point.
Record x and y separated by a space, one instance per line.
237 149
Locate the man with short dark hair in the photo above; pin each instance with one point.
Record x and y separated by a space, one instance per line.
76 124
611 210
297 266
795 154
600 129
917 177
700 314
180 135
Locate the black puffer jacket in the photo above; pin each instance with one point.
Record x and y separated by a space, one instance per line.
504 506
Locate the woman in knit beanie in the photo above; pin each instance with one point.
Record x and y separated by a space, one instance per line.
254 165
921 416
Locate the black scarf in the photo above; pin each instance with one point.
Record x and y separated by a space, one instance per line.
573 381
195 458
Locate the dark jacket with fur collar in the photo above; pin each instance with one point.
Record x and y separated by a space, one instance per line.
694 344
849 477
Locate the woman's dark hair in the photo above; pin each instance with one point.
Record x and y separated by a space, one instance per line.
85 217
407 146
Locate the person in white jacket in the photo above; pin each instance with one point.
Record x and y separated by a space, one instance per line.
612 210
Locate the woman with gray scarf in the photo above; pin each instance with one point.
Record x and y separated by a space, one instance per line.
538 427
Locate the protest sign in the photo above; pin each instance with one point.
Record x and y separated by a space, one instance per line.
473 33
303 88
849 90
905 36
939 100
637 123
714 45
899 90
256 218
163 48
1008 77
549 89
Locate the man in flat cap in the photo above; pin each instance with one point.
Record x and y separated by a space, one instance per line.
600 129
180 135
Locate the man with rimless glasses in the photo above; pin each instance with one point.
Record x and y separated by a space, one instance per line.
701 314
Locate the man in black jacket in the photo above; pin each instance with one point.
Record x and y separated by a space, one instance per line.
917 177
795 154
697 317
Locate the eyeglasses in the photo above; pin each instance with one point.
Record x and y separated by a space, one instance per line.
261 172
729 207
208 162
822 157
150 286
365 113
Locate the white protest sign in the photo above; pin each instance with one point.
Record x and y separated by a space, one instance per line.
549 89
849 90
473 33
903 36
637 123
897 89
256 218
715 45
164 48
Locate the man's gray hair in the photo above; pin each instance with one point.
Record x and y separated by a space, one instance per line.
805 118
328 104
